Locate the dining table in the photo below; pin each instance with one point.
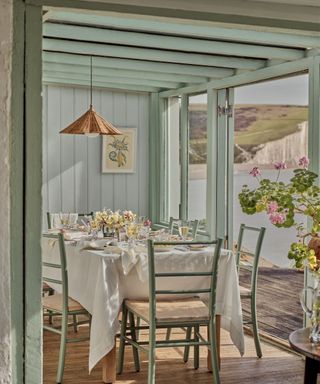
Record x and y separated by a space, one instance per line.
100 279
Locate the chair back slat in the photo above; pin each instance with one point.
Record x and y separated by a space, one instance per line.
153 275
63 281
257 252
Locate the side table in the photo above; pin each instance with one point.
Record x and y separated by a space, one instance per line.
299 342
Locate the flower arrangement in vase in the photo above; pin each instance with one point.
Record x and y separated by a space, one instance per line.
284 203
111 222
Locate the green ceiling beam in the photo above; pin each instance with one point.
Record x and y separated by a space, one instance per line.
274 72
78 47
256 13
137 65
191 30
116 72
112 79
109 36
98 85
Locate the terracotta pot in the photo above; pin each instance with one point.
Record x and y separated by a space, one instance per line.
314 244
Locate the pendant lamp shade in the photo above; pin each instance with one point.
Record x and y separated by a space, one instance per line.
90 123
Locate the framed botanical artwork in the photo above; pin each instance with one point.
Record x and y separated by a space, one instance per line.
119 152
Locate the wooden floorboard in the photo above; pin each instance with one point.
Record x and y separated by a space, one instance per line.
278 307
276 366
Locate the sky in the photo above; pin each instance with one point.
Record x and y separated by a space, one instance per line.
292 90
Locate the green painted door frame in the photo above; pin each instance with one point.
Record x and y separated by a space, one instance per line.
26 169
25 187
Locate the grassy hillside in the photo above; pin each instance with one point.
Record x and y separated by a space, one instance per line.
254 125
260 124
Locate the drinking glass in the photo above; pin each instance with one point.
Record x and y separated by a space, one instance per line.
184 228
64 219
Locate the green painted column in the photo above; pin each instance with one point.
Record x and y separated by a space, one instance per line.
32 195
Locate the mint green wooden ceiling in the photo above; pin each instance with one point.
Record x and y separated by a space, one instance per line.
149 55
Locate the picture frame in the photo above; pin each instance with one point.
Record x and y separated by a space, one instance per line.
119 152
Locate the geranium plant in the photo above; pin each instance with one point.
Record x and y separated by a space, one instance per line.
284 204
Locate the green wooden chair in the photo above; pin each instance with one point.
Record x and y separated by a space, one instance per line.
174 313
250 293
62 305
194 226
49 222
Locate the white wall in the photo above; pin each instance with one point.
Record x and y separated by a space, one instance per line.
5 94
72 177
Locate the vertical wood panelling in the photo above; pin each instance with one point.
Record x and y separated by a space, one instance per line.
54 179
81 155
120 120
94 163
107 179
143 154
72 176
132 120
67 152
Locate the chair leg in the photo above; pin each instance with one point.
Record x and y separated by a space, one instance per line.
152 355
138 325
196 347
62 351
134 338
187 348
255 328
168 334
122 340
75 323
214 353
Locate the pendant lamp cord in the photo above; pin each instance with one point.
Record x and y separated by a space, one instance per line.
90 81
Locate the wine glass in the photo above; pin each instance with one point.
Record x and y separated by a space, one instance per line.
184 228
64 219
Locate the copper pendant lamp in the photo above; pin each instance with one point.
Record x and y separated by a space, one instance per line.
90 123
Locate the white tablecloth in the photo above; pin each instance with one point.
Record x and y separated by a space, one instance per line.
98 282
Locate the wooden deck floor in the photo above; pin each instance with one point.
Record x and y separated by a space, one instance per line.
276 366
278 307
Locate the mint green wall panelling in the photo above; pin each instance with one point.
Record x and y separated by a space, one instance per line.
81 105
72 178
53 149
107 180
143 153
132 179
120 180
67 144
94 163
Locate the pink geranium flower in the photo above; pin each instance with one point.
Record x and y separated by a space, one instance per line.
304 162
277 218
280 165
255 172
272 207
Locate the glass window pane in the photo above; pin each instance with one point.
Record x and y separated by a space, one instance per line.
173 157
197 183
